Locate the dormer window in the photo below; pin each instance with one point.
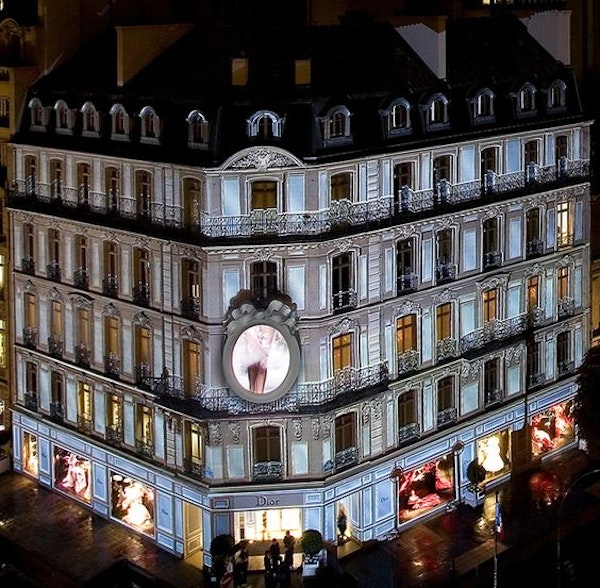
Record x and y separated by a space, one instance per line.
64 118
336 125
197 130
397 117
557 101
91 120
436 112
526 100
120 123
38 118
265 125
482 106
150 129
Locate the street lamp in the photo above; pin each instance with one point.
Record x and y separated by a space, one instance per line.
562 502
395 476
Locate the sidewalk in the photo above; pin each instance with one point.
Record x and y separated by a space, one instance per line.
58 542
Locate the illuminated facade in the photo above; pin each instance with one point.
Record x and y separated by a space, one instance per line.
245 315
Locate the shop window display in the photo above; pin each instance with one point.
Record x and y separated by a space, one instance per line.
132 503
493 454
425 488
72 474
30 454
552 429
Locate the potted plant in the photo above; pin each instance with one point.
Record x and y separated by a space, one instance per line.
312 544
475 475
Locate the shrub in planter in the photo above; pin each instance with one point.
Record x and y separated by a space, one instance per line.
311 541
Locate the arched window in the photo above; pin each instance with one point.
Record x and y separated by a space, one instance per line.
64 123
436 112
36 110
557 96
482 106
265 124
150 129
526 103
91 120
197 130
336 125
397 117
120 123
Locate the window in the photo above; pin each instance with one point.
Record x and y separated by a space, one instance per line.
54 244
403 185
141 276
406 333
56 394
490 305
265 125
345 432
197 129
405 266
30 321
55 179
342 352
91 120
263 278
491 381
36 111
143 353
442 169
535 245
150 125
30 174
111 184
340 187
407 408
84 337
563 352
83 184
31 383
3 347
436 111
194 447
63 117
191 288
143 190
143 429
192 202
267 445
111 270
557 96
526 100
344 295
84 405
81 276
489 168
535 376
561 155
112 361
264 195
484 105
531 152
397 117
564 236
533 293
445 394
445 268
113 413
28 261
336 124
120 123
4 111
492 256
192 367
443 321
55 340
563 282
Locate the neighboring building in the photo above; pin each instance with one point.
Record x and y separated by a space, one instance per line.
274 285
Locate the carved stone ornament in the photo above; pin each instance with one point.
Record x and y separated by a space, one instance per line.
54 294
366 413
327 423
297 429
141 319
533 270
111 311
81 301
512 356
234 431
315 428
407 307
376 410
470 371
498 281
262 159
214 434
191 333
446 295
344 326
29 287
565 261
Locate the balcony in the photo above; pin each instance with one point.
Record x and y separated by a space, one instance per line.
407 283
31 401
30 337
446 349
28 265
191 308
114 435
55 347
271 223
565 367
492 260
85 423
493 331
141 294
447 417
566 307
408 433
53 271
82 355
110 286
112 365
564 240
445 272
346 458
493 397
536 316
535 380
534 248
144 449
143 375
408 361
195 469
81 278
57 411
267 471
344 300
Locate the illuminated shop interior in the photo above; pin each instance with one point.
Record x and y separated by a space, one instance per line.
30 453
493 453
132 503
553 428
72 474
262 525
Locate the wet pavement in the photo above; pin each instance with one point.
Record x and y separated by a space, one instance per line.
49 540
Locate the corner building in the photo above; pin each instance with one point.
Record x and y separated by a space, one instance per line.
317 270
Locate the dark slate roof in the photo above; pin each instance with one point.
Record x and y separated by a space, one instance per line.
360 64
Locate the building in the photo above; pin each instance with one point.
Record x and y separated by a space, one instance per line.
349 276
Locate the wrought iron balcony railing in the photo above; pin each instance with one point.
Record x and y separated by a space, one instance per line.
494 331
344 300
493 397
30 337
141 294
31 401
536 316
110 286
535 380
84 423
408 361
409 432
407 283
534 248
446 348
55 347
81 278
346 458
566 307
191 307
565 367
53 271
492 259
143 375
267 471
445 272
144 448
82 355
57 411
194 469
114 435
564 240
112 365
28 265
446 417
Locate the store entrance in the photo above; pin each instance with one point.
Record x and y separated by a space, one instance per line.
192 516
263 525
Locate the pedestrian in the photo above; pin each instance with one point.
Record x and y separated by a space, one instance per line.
240 567
288 541
271 565
275 550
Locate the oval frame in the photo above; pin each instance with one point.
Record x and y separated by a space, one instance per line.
293 368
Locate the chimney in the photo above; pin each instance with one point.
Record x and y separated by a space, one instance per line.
427 37
551 29
303 71
239 71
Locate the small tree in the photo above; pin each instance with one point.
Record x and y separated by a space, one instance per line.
312 542
222 550
587 401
